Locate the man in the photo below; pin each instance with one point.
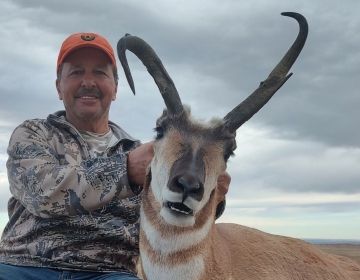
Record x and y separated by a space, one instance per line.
75 178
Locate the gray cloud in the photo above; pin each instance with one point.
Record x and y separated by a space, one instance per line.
236 46
305 140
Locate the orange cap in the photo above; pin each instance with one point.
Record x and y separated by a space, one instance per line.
84 40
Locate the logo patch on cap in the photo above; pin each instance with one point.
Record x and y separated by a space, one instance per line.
87 37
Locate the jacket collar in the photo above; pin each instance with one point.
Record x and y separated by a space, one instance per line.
121 134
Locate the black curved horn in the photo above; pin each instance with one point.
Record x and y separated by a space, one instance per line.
251 105
154 66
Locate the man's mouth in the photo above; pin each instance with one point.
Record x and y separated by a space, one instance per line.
89 94
88 97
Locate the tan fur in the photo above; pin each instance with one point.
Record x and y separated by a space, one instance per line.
205 250
232 251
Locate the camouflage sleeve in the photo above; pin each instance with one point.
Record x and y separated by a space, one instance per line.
47 188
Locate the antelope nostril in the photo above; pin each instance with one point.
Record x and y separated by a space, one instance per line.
192 189
195 190
180 184
188 185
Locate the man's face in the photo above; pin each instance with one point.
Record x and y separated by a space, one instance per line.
87 86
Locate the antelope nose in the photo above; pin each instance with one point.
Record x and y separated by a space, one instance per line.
190 187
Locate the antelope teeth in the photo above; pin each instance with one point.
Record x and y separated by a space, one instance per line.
176 209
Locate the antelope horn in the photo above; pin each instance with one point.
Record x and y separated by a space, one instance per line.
154 66
251 105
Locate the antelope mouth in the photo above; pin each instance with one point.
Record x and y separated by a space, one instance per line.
180 208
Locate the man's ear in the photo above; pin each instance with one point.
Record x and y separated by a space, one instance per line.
57 84
115 92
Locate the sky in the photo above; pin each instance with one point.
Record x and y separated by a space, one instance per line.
297 166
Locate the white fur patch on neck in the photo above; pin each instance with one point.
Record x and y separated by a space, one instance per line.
189 270
171 244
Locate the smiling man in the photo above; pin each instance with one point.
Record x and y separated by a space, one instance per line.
87 86
75 178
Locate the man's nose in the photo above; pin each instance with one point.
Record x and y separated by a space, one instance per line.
88 81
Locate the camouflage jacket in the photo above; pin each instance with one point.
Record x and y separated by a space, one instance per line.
69 210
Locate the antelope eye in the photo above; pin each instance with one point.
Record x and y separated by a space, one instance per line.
228 155
159 132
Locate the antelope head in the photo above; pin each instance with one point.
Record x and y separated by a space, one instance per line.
191 154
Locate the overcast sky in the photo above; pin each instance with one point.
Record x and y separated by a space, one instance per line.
297 167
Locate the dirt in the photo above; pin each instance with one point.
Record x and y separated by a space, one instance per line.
350 251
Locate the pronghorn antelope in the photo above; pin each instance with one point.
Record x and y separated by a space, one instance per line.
179 238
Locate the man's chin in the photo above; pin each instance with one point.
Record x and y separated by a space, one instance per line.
90 115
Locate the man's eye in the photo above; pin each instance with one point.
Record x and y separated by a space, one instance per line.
98 72
76 72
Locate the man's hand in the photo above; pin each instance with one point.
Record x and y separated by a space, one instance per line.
138 161
222 187
223 184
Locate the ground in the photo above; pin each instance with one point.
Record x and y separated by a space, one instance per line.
351 251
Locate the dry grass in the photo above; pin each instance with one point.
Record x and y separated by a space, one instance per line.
350 251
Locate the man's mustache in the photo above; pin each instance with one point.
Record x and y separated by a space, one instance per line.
94 92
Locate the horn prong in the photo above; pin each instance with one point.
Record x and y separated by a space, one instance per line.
155 68
251 105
